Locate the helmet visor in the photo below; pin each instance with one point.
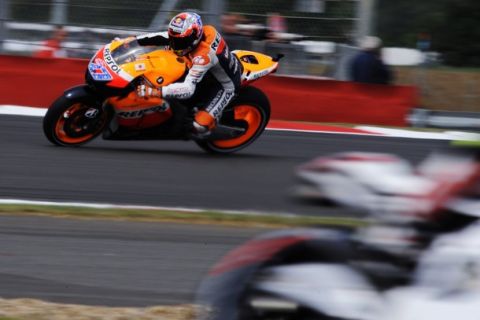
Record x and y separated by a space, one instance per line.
180 44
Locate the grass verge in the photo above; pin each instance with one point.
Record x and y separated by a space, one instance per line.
32 309
200 217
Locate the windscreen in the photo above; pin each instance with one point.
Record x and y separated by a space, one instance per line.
129 51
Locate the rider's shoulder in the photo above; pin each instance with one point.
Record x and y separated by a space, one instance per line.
210 34
201 55
209 30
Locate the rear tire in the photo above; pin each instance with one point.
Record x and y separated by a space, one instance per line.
73 122
251 110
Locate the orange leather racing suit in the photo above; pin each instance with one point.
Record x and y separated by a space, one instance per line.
210 56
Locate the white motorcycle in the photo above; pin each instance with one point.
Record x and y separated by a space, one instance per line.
399 267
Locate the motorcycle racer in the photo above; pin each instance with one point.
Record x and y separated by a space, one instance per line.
206 52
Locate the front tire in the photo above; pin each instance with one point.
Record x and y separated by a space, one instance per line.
73 122
250 110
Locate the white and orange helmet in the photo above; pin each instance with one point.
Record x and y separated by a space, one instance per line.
185 31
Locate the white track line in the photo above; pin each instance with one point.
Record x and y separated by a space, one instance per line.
400 133
373 130
22 111
325 131
137 207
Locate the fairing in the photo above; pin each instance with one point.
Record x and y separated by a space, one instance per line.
255 65
122 62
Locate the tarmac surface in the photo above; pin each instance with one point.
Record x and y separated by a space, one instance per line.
124 263
174 173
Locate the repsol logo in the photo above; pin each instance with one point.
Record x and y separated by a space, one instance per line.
217 111
260 74
140 113
216 42
107 56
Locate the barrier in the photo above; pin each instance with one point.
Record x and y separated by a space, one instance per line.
38 81
300 99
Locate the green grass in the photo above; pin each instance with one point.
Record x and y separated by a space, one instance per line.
204 217
466 143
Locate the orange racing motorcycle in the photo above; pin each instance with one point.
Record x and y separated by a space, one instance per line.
107 103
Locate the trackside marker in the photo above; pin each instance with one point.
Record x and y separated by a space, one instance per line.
279 125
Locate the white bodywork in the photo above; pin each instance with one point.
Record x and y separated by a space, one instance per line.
447 281
446 285
375 182
382 183
333 289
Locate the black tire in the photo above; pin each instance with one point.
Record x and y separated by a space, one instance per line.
258 103
73 122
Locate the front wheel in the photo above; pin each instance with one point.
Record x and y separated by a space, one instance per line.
250 111
72 122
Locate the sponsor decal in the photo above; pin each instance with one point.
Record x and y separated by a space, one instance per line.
199 60
236 65
140 67
98 70
91 113
140 113
195 75
178 22
216 109
233 64
180 93
260 74
197 19
107 56
183 95
216 42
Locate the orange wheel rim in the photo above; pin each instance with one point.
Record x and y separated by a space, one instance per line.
63 136
252 116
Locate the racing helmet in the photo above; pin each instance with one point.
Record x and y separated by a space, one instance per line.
185 31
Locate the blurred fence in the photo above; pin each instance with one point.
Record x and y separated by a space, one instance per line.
304 30
317 37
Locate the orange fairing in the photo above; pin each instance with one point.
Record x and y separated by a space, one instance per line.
255 65
252 116
133 111
159 68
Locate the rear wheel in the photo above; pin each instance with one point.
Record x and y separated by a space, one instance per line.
250 111
73 122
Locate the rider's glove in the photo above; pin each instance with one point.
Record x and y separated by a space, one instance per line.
145 91
203 122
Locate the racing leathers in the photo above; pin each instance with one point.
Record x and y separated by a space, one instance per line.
210 56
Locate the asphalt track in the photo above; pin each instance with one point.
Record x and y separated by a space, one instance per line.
111 263
173 173
134 264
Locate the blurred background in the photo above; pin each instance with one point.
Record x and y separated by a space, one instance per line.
431 44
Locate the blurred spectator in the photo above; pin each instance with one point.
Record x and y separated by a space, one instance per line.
367 66
424 41
231 25
276 25
239 31
52 48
